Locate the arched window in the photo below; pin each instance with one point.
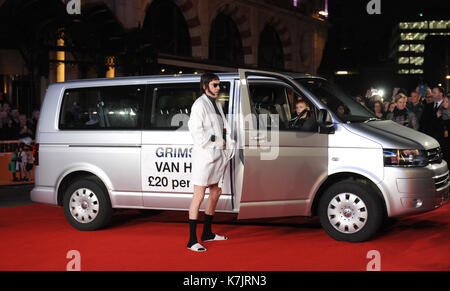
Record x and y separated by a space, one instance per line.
165 26
225 43
270 50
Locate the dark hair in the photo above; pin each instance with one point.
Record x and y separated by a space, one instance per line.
206 78
440 89
381 106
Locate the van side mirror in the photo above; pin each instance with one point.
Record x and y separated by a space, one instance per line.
325 122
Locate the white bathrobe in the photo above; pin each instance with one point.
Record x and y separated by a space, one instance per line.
209 160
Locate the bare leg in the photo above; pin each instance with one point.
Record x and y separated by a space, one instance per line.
214 195
199 195
197 199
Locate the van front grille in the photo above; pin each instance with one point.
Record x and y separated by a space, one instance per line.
441 180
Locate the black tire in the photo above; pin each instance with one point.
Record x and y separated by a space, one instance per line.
101 202
359 223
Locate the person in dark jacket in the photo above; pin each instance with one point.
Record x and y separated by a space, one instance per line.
443 115
430 123
401 114
414 105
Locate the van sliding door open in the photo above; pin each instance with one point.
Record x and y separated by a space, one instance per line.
282 164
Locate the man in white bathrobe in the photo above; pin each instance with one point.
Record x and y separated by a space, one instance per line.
210 132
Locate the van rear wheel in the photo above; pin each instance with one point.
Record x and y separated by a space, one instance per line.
350 211
87 205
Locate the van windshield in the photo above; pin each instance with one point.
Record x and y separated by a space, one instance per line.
346 108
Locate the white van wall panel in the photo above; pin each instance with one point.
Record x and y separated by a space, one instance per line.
49 111
349 152
182 202
162 137
343 138
118 168
92 138
366 162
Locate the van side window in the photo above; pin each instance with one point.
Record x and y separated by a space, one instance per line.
169 106
100 108
280 100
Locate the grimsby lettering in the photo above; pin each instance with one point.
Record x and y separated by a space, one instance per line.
171 160
170 152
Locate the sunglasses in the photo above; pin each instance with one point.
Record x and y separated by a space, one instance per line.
215 85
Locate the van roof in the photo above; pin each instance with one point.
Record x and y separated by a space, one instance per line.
138 80
152 77
184 76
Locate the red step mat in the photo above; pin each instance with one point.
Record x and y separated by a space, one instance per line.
37 237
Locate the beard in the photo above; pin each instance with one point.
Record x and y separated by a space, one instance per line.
210 93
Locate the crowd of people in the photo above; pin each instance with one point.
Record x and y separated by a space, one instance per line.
15 125
21 164
429 113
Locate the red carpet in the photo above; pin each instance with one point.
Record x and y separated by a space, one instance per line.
38 237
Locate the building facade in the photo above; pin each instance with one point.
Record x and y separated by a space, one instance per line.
411 47
112 38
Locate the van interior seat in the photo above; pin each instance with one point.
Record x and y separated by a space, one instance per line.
162 113
265 112
180 106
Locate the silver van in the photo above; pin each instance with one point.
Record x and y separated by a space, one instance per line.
123 143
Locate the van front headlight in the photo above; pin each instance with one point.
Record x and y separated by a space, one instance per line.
405 158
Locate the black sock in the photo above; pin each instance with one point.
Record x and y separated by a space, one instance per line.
192 232
207 233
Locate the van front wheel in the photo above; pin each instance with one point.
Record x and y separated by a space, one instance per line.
87 205
350 211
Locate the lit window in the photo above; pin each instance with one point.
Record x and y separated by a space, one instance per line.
417 48
413 25
403 48
403 71
403 60
419 25
413 36
439 24
418 61
440 33
416 71
403 25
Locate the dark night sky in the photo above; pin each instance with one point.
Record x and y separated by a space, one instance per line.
357 39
